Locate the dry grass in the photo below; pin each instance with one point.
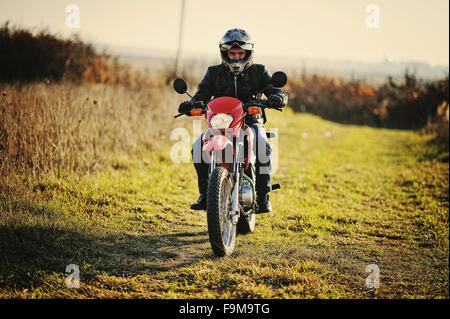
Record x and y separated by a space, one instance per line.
67 127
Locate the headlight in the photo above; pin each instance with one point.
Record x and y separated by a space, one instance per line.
221 121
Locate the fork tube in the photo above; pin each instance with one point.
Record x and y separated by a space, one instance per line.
235 194
213 163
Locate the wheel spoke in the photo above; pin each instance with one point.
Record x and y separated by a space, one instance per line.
222 231
227 227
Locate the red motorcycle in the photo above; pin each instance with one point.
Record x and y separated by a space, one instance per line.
231 195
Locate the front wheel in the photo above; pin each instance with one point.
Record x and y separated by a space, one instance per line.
221 229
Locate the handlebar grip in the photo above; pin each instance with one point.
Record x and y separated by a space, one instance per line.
259 103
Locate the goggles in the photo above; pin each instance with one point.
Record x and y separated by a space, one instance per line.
228 46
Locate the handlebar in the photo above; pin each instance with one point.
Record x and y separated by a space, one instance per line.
263 103
196 105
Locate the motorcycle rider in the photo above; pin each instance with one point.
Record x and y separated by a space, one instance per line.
238 77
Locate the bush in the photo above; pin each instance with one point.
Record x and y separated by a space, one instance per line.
411 104
28 57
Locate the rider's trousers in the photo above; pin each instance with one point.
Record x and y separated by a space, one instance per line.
263 153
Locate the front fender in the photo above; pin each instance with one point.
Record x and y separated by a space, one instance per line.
216 143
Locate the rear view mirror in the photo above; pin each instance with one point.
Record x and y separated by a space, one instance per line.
279 79
180 86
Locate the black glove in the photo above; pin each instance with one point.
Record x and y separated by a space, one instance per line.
275 100
184 107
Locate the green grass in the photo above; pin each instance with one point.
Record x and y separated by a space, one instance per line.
351 196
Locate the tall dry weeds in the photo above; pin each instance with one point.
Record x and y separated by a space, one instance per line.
65 126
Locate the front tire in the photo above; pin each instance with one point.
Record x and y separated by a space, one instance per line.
222 232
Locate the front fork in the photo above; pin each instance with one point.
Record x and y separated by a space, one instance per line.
234 212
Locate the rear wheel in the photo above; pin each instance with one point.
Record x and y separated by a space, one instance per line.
222 231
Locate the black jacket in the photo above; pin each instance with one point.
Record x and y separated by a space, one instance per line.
219 81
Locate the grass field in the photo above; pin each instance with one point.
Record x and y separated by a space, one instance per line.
351 196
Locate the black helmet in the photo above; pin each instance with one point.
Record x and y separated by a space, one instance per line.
236 38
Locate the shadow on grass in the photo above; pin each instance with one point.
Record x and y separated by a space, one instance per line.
29 253
440 148
430 148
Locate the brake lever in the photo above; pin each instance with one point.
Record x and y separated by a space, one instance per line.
179 114
189 112
258 103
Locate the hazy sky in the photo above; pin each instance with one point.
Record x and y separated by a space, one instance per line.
408 29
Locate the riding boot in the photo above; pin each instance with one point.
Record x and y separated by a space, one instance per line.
200 204
263 202
202 169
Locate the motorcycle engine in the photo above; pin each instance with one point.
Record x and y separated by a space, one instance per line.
246 196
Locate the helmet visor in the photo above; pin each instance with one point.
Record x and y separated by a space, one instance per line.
241 45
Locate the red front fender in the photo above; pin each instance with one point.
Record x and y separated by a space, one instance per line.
216 143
